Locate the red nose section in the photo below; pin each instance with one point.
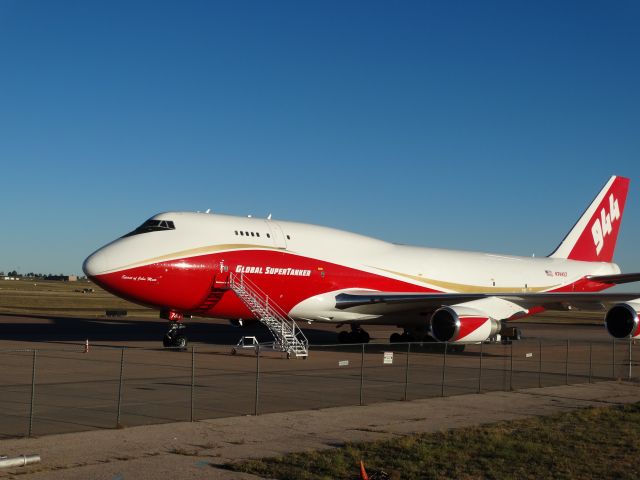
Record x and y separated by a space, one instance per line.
180 285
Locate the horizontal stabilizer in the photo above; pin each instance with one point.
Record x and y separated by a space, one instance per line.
616 279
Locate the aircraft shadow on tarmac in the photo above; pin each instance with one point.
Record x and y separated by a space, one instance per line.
116 331
28 328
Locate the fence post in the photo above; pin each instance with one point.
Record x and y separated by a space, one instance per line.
613 359
193 379
539 363
480 370
511 367
630 343
362 376
33 390
566 365
505 369
444 367
255 404
406 371
590 361
120 386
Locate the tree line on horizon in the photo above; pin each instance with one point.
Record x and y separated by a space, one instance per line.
35 276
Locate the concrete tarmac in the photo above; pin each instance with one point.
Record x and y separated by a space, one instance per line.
197 450
76 392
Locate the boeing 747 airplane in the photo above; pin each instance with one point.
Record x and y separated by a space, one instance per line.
243 268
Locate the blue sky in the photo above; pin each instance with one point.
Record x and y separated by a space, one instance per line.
473 125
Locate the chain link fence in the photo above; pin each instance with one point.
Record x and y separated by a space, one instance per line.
51 390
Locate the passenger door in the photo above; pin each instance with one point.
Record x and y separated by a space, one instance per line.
277 235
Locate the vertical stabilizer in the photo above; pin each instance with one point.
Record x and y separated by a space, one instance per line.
593 237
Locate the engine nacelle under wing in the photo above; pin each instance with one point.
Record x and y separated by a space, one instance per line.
460 324
621 320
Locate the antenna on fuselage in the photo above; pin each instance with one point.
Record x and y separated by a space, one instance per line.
269 217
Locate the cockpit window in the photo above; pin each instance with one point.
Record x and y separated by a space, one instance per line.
152 226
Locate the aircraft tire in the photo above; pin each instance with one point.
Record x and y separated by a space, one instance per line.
407 337
344 337
180 342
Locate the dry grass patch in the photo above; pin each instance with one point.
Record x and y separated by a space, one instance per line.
62 298
593 443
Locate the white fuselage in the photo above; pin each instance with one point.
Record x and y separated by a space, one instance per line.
321 261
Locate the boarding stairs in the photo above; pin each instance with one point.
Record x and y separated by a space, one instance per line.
210 301
286 334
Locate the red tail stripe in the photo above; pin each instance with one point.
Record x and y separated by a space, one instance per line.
597 241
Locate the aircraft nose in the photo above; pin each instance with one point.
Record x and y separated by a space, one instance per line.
95 264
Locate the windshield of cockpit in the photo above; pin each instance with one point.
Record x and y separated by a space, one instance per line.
152 226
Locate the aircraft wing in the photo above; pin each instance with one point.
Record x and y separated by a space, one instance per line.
616 279
396 302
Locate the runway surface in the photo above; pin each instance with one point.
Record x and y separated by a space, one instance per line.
76 391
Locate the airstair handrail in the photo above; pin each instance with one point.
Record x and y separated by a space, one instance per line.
288 336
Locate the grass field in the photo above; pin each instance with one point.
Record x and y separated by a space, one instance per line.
594 443
49 297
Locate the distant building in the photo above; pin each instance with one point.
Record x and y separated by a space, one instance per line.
62 278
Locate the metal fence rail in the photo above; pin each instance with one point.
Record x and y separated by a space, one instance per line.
51 390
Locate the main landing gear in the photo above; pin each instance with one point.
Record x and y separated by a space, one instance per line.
510 334
426 341
402 338
356 335
175 337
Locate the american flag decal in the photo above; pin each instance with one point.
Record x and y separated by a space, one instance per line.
549 273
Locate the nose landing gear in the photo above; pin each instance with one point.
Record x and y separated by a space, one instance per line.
175 337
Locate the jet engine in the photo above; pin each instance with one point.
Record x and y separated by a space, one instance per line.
622 320
460 324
